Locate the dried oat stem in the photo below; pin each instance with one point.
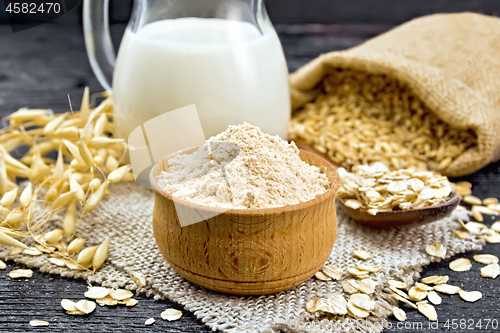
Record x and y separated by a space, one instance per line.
75 136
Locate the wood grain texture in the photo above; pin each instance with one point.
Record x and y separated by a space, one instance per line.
369 11
331 11
265 250
38 67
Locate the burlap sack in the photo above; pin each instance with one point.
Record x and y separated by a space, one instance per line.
450 61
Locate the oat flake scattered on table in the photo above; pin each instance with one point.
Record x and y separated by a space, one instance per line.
171 314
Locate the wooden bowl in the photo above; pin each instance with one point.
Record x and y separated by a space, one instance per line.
399 218
248 251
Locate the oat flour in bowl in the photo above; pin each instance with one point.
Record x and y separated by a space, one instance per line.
243 168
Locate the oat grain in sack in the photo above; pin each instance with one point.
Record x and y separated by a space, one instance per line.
425 94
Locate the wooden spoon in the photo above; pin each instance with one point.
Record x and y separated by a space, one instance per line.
394 218
398 218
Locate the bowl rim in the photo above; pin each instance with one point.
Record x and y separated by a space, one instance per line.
330 171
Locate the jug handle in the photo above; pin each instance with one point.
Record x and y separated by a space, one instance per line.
100 50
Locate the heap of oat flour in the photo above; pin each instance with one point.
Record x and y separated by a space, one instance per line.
244 168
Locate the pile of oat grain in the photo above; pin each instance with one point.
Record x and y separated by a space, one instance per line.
363 118
244 168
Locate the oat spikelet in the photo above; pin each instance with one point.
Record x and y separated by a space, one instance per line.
12 162
52 237
69 225
117 175
9 198
63 200
76 245
95 198
100 254
24 114
86 154
15 218
59 168
3 175
76 188
108 143
62 184
94 184
12 233
9 241
111 164
86 255
85 108
74 151
25 197
52 125
100 125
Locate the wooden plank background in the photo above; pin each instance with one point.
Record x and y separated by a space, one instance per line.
330 11
357 11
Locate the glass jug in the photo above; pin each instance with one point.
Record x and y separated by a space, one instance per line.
223 56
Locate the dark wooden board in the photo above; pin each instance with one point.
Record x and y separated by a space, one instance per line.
326 11
331 11
370 11
40 66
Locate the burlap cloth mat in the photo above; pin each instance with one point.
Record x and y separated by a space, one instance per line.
126 217
450 61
